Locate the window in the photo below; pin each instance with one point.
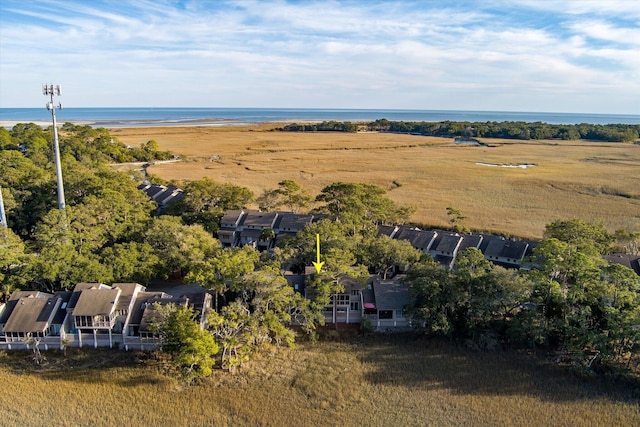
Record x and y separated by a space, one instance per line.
355 306
355 292
341 299
385 314
399 314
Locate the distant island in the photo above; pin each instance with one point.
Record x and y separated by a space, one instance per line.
503 130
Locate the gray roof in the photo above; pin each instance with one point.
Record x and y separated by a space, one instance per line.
154 190
77 290
629 261
31 315
498 247
16 295
289 221
448 242
419 239
232 218
494 248
171 193
95 302
142 300
515 250
257 219
61 313
387 230
127 291
13 300
470 241
391 294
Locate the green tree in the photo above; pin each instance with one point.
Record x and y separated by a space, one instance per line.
293 195
179 246
12 257
435 301
498 295
6 142
224 271
206 194
384 253
471 263
583 235
359 206
229 328
455 216
192 349
205 201
269 200
60 266
131 262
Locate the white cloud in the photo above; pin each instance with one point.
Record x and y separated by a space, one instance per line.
600 30
325 54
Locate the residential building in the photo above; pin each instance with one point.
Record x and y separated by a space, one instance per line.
385 304
94 314
419 239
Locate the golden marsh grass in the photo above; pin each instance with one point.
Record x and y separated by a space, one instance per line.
364 380
570 179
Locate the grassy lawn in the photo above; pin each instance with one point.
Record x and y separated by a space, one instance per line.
362 380
570 179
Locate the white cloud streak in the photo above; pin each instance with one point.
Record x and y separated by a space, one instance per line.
573 56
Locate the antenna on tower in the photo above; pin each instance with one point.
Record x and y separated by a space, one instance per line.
51 90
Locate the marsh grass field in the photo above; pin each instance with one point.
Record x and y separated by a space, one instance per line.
359 380
564 179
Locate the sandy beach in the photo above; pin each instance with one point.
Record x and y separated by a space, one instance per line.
123 124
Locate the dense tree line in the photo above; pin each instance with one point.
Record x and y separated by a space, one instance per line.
572 302
325 126
513 130
504 130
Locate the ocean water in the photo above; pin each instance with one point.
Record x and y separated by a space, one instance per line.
138 117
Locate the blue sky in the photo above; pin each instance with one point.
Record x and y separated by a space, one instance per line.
520 55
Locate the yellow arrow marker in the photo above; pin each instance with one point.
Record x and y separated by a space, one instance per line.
318 265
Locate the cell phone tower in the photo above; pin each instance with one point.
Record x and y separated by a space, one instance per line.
3 217
51 90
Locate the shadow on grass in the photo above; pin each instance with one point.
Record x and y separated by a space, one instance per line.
88 365
410 361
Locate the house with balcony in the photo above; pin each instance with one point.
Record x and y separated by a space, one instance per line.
34 318
230 227
386 303
252 229
7 308
31 318
346 306
120 315
95 313
125 303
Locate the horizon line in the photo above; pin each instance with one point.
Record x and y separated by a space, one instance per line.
334 109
